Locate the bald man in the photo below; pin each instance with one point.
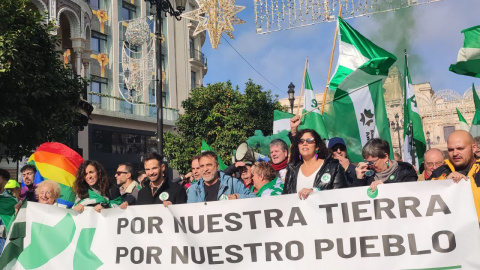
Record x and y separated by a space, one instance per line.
433 159
461 163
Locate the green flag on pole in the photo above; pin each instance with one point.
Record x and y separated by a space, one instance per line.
360 61
281 121
468 59
463 122
475 128
313 119
206 147
357 113
414 145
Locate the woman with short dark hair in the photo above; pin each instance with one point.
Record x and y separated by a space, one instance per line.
378 168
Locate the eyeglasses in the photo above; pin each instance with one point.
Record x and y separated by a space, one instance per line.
118 173
430 164
308 140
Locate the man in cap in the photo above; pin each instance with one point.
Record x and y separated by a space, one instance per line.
339 151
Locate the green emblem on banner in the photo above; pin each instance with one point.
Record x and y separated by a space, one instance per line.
372 194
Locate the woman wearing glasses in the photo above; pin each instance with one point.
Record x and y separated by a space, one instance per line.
93 188
379 169
311 168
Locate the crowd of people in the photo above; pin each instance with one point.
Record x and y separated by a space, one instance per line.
308 166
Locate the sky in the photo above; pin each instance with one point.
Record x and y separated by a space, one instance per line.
431 33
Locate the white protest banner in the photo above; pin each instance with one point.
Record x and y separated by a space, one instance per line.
418 225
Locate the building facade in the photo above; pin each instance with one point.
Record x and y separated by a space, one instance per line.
92 35
437 110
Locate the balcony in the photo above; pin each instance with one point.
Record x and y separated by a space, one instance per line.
198 59
117 107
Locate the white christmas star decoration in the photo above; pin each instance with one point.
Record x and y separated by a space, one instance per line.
215 16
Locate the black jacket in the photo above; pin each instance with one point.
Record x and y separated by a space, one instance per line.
331 171
404 173
176 193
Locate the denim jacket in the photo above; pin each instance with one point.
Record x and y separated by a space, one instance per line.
228 186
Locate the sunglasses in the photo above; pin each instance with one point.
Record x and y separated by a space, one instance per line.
118 173
340 147
308 140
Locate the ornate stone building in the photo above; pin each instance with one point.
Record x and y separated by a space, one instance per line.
437 109
91 34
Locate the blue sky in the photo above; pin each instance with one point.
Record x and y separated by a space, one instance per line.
430 32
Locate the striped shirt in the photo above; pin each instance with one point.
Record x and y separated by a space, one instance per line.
272 188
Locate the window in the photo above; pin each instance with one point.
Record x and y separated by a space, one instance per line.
96 87
447 130
152 110
192 48
193 80
95 4
118 142
125 106
128 11
98 42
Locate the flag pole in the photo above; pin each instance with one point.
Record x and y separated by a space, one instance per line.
303 85
331 60
410 125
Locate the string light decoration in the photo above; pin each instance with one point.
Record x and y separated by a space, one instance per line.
215 16
277 15
138 60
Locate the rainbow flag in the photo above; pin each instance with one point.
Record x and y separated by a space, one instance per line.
57 162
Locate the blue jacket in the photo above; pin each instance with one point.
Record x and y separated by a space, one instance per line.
228 186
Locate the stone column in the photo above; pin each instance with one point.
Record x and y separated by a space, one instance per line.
78 60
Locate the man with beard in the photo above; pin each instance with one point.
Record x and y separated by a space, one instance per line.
28 191
128 187
279 155
461 163
214 184
157 189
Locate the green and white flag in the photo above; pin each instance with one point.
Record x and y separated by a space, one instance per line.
312 120
414 145
475 128
206 147
463 122
360 61
281 121
358 112
359 116
468 59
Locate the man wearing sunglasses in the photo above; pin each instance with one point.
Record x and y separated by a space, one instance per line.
128 187
339 151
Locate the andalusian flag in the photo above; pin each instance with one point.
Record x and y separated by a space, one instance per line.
312 120
281 121
57 162
360 61
468 59
358 113
463 122
359 116
414 145
206 147
7 210
475 129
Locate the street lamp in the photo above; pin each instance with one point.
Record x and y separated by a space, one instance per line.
162 6
291 95
428 139
396 127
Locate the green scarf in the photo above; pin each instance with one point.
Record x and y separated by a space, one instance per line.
92 195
